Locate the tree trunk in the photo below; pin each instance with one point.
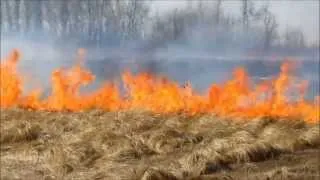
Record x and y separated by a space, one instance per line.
218 12
245 16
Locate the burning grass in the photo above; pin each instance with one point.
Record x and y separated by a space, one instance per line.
157 129
145 145
238 97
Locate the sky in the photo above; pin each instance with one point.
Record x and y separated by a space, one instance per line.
303 14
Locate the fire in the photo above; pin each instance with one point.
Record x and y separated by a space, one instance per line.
236 97
11 82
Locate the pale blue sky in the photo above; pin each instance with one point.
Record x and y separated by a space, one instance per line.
296 13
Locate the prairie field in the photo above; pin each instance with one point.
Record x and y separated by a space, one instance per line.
159 90
136 144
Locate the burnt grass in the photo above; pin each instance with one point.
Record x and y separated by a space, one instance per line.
142 145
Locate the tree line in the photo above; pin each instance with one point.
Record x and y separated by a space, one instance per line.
101 22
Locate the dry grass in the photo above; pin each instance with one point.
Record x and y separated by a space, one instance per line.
141 145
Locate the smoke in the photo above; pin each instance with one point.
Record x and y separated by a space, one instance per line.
43 53
196 56
205 55
39 58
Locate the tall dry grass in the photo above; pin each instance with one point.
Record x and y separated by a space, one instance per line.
141 145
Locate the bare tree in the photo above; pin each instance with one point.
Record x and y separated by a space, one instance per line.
218 12
270 28
8 16
294 38
4 17
98 21
132 12
16 15
245 14
201 11
37 15
27 15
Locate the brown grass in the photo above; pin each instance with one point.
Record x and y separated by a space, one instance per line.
141 145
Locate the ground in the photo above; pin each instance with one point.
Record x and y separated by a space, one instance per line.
142 145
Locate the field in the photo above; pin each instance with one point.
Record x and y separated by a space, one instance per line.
142 145
104 134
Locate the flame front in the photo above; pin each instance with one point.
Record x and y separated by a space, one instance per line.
236 97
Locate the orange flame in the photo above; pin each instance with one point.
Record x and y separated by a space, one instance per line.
237 97
11 83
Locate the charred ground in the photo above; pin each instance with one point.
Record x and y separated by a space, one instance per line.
142 145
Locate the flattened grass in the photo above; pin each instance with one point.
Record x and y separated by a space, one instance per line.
142 145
